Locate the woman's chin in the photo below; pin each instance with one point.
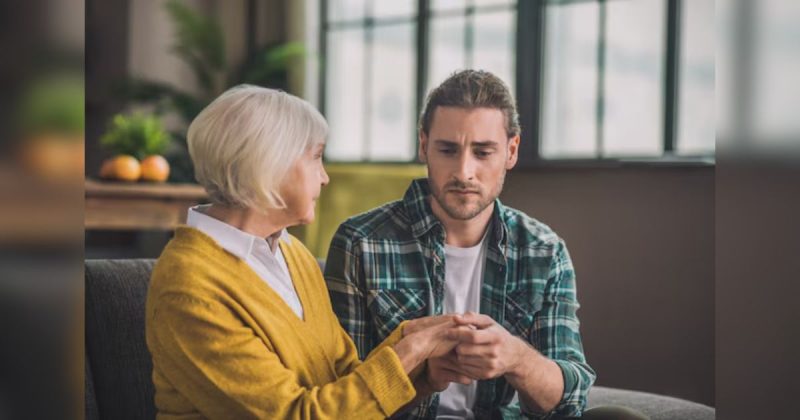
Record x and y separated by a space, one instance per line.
308 219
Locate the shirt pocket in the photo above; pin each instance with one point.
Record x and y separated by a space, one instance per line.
521 309
390 307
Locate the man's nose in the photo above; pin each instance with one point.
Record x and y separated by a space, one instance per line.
466 167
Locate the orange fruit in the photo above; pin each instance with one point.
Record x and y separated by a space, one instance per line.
121 167
107 169
155 168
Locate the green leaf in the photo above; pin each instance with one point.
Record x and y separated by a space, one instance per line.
200 43
269 65
137 134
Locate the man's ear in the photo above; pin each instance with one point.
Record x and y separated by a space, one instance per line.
513 152
423 147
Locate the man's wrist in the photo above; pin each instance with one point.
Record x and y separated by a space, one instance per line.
526 357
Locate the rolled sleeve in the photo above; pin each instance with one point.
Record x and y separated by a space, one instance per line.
558 337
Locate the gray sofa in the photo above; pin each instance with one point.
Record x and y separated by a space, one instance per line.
118 365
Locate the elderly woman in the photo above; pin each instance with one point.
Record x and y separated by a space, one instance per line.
239 322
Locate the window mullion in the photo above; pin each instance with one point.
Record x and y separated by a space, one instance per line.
529 70
671 76
369 29
601 77
423 36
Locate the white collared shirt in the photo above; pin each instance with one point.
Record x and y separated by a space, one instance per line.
255 251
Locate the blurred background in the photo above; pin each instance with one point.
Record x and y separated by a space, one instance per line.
648 127
616 100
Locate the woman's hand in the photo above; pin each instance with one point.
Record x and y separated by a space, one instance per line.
419 324
427 338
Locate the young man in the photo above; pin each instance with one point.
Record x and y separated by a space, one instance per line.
450 246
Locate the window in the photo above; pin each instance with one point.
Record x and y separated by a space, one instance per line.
594 79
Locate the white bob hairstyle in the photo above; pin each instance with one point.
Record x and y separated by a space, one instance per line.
244 143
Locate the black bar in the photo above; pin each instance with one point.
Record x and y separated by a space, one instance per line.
530 48
671 75
423 36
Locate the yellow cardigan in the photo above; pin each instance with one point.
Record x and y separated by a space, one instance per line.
225 345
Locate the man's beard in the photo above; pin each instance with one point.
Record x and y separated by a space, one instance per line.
464 211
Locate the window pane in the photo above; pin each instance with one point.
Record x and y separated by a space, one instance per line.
776 65
394 8
441 5
494 44
344 90
446 49
480 3
696 79
633 119
726 31
345 10
392 134
570 81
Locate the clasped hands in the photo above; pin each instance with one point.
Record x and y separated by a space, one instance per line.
463 348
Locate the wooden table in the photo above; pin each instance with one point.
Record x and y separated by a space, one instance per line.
139 206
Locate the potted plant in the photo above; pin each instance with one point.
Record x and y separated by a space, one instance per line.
132 138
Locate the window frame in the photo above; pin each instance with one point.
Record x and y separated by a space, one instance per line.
529 72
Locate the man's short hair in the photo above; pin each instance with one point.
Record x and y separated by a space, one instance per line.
245 142
472 89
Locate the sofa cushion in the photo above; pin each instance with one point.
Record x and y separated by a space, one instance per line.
657 407
120 365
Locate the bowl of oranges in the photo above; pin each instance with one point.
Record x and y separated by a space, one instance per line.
138 143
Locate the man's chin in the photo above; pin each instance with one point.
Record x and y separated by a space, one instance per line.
462 212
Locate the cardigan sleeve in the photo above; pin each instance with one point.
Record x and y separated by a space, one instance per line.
226 371
348 360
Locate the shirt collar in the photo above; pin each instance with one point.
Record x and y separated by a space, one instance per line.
235 241
423 220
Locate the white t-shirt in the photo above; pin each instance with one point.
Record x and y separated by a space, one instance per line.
463 279
255 251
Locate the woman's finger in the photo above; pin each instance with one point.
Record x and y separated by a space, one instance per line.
420 324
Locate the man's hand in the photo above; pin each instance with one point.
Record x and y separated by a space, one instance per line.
489 350
443 370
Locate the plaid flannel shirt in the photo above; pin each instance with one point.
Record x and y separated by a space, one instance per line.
387 265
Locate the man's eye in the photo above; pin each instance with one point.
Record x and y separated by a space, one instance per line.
483 153
448 152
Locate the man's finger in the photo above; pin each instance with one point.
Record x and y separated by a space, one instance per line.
469 336
471 363
472 350
456 376
472 318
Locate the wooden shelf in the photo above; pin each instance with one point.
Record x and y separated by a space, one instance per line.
139 206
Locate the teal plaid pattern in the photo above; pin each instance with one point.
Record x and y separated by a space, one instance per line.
387 265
